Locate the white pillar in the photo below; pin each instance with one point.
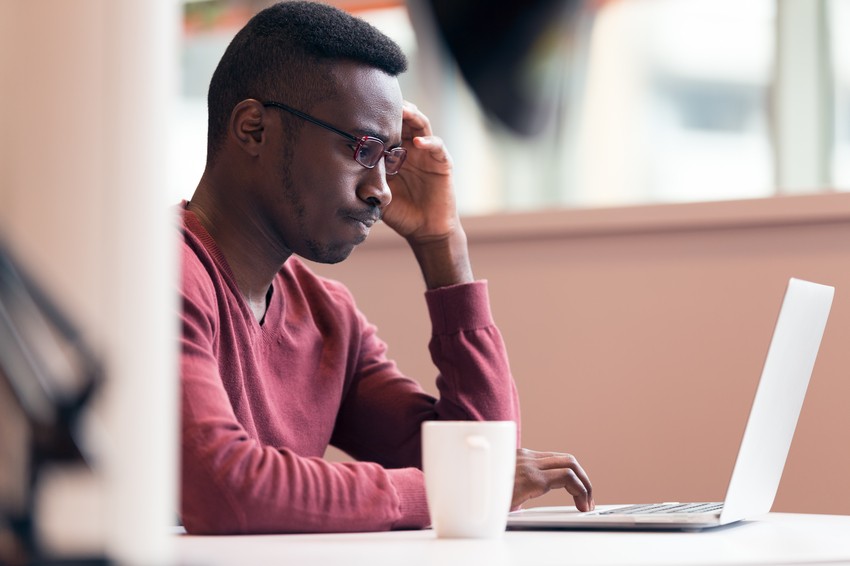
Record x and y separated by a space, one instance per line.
141 92
87 92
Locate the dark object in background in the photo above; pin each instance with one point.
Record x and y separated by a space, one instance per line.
509 51
47 375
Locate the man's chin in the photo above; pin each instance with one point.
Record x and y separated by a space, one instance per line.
328 254
334 259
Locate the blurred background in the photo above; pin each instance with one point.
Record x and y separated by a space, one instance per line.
655 100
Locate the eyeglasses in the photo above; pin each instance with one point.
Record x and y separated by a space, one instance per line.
368 150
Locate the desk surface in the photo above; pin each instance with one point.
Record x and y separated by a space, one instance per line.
777 538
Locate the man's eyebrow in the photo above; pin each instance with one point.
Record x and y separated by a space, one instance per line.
383 138
380 136
373 134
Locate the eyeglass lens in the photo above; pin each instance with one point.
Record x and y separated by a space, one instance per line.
369 152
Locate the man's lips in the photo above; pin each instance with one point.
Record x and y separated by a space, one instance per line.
366 218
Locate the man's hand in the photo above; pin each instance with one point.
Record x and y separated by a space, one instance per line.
423 208
539 472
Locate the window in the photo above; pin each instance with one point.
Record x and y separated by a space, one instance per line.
687 82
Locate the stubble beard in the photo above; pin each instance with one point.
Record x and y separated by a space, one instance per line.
318 252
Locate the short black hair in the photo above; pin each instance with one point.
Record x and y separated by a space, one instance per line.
285 52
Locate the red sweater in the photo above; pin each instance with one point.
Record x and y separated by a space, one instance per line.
261 402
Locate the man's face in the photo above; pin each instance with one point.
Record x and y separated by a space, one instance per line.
323 202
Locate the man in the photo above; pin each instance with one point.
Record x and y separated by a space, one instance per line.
310 143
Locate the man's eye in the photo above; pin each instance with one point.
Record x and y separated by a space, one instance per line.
365 153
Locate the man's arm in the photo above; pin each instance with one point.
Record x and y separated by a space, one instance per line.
233 484
232 480
381 415
475 381
424 211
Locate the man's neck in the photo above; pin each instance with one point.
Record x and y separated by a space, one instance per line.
252 264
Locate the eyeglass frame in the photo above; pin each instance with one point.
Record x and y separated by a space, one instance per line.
399 152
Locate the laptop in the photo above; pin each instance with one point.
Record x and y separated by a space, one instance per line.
764 447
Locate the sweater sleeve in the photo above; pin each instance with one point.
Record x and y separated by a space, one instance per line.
231 483
383 411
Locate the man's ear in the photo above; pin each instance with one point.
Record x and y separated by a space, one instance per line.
247 125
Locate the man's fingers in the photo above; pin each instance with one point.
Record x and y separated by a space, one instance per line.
435 147
567 461
575 485
559 470
414 122
555 461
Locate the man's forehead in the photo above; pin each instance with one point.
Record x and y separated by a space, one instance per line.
367 98
362 84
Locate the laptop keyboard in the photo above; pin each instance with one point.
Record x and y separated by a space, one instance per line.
664 508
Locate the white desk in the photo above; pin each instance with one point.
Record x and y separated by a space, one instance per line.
778 538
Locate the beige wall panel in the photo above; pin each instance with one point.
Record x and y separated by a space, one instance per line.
637 336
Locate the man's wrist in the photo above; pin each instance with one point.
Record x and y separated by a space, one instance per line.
443 261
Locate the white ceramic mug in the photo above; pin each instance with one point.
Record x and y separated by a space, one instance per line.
469 476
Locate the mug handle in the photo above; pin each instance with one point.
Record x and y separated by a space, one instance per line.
479 457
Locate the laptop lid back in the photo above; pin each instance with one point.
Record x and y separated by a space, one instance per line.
778 400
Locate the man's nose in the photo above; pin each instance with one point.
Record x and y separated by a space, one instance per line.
374 188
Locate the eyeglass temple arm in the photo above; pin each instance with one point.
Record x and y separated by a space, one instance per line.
311 119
